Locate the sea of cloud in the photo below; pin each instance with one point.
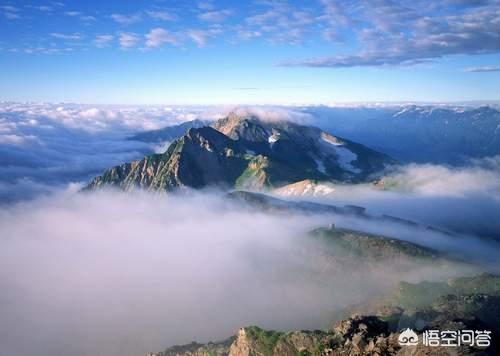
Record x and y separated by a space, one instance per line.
109 273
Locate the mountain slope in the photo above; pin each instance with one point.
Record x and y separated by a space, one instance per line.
200 158
246 152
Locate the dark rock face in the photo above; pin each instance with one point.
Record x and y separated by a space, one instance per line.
245 152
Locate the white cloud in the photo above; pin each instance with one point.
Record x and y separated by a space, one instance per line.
201 37
249 34
205 5
9 8
88 18
157 37
102 41
281 22
484 69
124 19
17 139
81 16
10 12
128 40
153 271
396 33
64 36
215 16
161 15
441 181
73 13
43 8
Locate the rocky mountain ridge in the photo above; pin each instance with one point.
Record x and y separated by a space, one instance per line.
250 153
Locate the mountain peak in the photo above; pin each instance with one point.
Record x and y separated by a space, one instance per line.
239 125
244 151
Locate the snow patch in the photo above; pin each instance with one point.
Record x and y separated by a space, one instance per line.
332 140
345 159
273 139
320 165
345 156
309 189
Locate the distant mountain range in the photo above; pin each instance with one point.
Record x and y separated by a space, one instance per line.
416 133
245 152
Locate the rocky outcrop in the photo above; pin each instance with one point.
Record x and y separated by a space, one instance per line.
468 303
358 335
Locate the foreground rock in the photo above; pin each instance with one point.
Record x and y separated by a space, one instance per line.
471 303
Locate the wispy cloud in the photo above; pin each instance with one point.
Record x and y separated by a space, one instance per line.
123 19
484 69
200 37
64 36
81 16
128 40
215 16
73 13
280 22
157 37
102 41
405 33
162 15
10 12
205 5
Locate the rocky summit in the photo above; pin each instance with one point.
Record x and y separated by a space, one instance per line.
244 151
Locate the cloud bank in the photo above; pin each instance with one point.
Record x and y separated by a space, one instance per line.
45 147
464 199
124 274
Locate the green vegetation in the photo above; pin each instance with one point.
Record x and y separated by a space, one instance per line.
267 340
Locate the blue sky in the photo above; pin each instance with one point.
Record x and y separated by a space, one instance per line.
255 52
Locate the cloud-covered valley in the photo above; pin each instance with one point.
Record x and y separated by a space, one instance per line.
121 274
